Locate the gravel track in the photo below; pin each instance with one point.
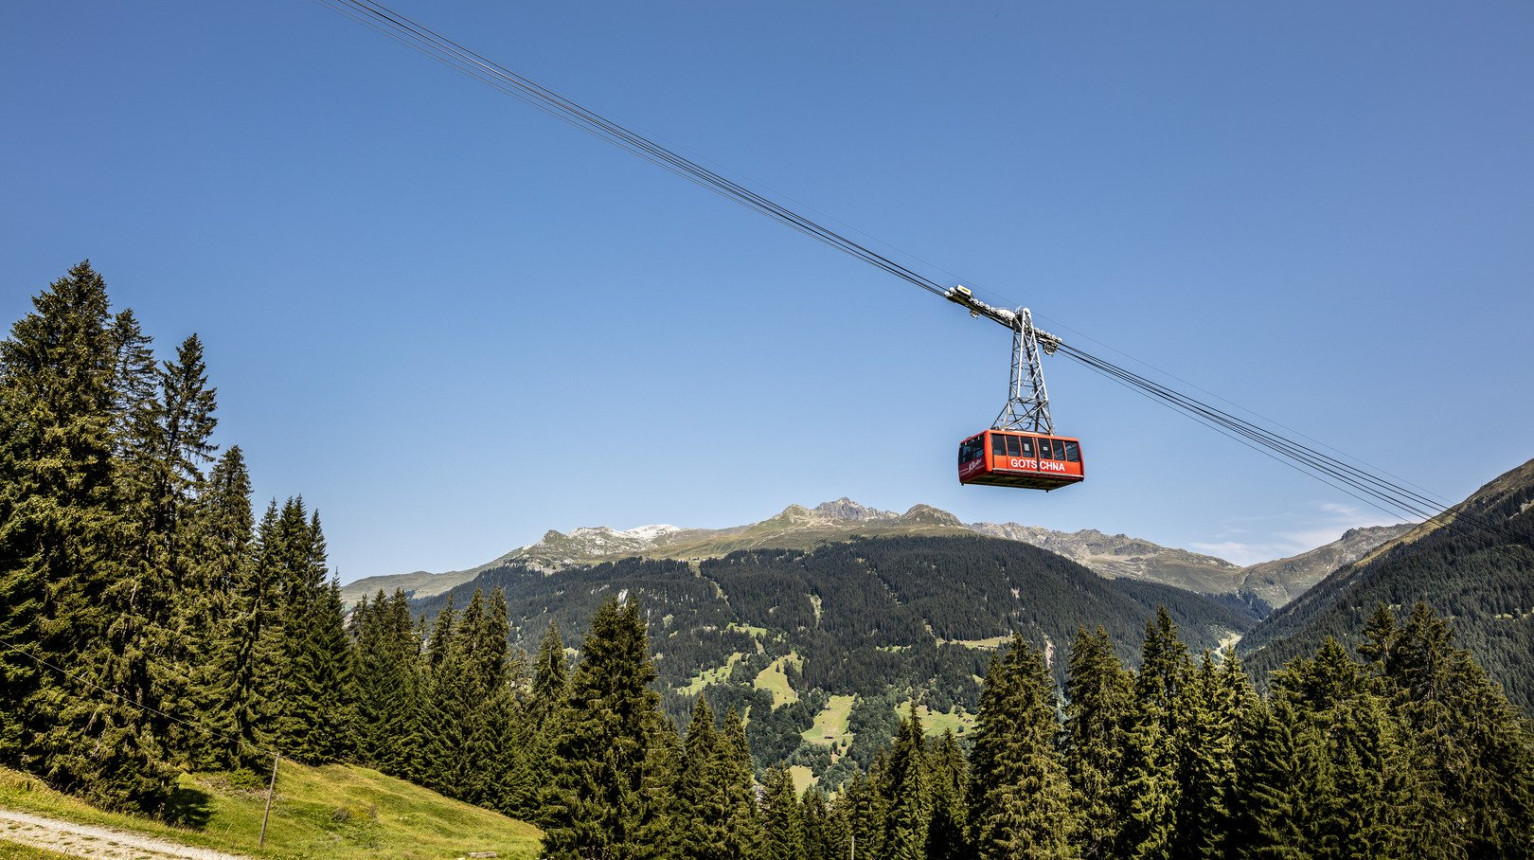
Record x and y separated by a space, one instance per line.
90 842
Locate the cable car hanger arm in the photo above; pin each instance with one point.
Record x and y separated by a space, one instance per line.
961 295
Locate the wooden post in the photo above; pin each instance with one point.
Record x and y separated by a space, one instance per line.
270 790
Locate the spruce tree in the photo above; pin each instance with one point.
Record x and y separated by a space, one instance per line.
947 834
546 703
449 704
782 819
1021 802
1150 788
1098 693
222 532
862 808
660 832
1271 809
907 797
245 661
313 704
1206 744
596 807
67 559
1478 752
742 824
820 826
700 788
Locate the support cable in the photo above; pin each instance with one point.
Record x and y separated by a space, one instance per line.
1366 484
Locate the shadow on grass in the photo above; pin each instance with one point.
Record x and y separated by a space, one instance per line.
189 807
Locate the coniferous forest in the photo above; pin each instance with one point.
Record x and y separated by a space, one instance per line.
151 624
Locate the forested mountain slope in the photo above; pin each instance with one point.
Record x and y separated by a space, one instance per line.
909 599
882 619
1476 565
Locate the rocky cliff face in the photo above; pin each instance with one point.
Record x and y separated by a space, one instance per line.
1278 582
1120 556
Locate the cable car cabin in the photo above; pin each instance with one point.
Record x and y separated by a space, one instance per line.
1005 458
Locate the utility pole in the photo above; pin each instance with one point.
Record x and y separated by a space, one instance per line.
270 790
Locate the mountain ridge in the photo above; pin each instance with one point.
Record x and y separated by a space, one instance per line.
1474 563
802 528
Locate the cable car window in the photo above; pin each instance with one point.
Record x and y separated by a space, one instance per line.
1044 452
970 450
1028 447
1012 447
998 445
1073 452
1059 449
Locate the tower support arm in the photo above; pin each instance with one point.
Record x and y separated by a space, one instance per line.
1027 400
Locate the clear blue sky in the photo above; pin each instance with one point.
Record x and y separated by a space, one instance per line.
451 322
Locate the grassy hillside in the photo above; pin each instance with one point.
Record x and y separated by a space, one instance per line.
337 811
12 851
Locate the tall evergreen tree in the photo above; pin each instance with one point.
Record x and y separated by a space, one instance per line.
862 808
1206 745
66 559
782 819
1150 786
1272 810
700 788
222 532
1021 802
448 704
743 828
821 836
907 796
947 834
596 807
246 661
1098 693
388 680
313 707
1481 759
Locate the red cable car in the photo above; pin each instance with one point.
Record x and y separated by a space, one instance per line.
1006 458
1021 448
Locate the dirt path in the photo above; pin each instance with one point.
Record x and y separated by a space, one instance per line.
95 843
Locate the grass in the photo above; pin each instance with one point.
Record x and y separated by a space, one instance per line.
13 851
990 644
774 679
711 676
830 727
337 811
934 723
753 632
802 776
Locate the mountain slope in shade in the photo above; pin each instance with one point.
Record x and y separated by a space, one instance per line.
1278 582
1475 565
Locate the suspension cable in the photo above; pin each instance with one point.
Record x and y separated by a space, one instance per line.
1365 484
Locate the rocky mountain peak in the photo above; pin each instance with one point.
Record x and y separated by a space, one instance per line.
928 515
846 509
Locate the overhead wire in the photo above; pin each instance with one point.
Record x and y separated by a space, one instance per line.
1365 484
445 50
83 681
